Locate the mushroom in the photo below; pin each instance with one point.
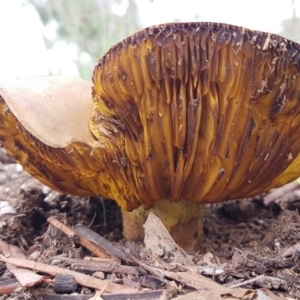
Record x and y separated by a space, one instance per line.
179 114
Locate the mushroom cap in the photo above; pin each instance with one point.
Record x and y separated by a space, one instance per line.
200 112
54 109
207 111
44 124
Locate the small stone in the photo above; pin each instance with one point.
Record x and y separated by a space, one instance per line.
64 283
99 275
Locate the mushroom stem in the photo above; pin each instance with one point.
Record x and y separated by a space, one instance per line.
183 220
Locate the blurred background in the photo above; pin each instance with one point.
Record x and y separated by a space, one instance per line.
69 36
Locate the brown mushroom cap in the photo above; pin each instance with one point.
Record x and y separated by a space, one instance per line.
207 111
201 112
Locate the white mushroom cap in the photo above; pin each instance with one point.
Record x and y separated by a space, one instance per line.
54 109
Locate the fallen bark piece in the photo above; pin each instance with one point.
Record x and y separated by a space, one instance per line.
64 283
81 239
81 279
9 285
158 239
26 277
153 295
100 241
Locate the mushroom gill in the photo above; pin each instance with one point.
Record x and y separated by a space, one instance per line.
182 113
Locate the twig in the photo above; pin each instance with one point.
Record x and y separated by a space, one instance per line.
100 241
93 266
82 240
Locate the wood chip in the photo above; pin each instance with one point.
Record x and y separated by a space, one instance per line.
158 239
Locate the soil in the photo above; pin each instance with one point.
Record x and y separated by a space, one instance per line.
245 237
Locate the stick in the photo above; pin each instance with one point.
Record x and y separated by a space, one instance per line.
82 240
